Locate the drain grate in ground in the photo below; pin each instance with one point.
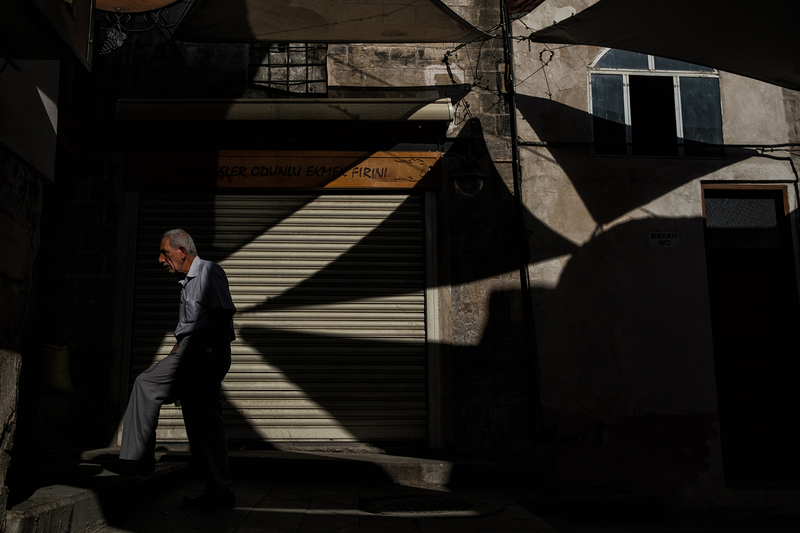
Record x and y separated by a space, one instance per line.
430 506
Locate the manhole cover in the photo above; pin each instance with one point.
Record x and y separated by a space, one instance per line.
417 506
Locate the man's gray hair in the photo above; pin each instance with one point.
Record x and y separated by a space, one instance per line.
178 238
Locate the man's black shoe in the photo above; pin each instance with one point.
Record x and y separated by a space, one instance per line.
126 467
223 500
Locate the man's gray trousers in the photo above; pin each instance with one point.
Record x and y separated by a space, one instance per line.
194 375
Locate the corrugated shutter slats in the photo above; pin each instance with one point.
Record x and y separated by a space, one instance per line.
331 324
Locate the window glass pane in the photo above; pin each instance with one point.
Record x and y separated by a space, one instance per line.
607 98
608 110
653 124
702 116
742 222
751 213
662 63
623 59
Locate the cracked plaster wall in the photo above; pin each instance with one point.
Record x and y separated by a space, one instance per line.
623 329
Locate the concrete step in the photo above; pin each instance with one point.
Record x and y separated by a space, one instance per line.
87 496
80 494
315 466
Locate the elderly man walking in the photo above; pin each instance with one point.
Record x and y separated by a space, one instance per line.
192 373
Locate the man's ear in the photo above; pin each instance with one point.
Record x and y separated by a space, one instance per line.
182 250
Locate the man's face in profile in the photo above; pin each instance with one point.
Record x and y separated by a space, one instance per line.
171 258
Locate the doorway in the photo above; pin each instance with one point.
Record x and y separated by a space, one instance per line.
753 291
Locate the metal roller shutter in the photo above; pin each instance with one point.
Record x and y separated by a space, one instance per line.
330 292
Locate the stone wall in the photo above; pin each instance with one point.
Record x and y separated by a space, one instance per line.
21 190
75 305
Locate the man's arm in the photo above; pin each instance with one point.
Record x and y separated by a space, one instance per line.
220 305
219 321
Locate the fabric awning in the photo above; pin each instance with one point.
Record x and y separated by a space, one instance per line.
754 39
329 21
516 7
324 109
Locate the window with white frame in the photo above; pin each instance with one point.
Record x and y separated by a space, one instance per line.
648 105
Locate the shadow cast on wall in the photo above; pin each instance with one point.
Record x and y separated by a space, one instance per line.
486 245
611 186
627 322
482 228
632 385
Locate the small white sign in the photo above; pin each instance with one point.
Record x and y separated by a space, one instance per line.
665 239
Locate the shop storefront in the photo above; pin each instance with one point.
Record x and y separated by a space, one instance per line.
330 258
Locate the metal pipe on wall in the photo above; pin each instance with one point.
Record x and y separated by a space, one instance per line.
528 322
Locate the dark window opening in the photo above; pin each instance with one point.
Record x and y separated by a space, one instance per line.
653 130
651 106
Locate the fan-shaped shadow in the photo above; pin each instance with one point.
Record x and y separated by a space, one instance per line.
639 179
